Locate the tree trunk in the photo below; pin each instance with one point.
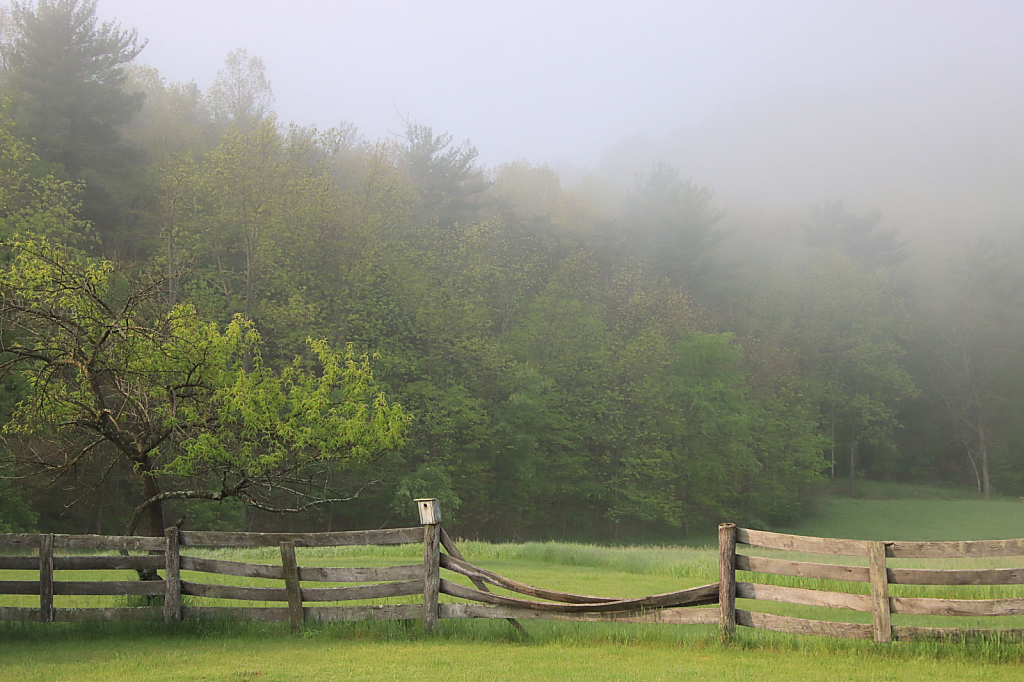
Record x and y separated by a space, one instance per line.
155 512
854 450
986 486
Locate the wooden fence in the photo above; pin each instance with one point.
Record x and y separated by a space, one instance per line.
876 574
170 554
311 593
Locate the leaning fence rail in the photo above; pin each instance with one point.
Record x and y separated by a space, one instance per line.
877 574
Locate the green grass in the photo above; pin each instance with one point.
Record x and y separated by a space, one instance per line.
882 511
473 651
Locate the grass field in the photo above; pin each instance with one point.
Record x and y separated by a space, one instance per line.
906 512
492 650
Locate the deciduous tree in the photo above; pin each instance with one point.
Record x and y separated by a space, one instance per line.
114 376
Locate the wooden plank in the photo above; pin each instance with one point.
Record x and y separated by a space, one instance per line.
131 543
290 569
801 543
378 591
325 574
431 574
236 568
802 626
677 616
233 592
390 536
84 563
19 563
108 614
20 586
273 614
802 569
361 613
98 587
799 595
320 613
107 563
306 573
931 576
26 540
453 551
882 622
46 578
172 573
19 613
696 596
953 550
957 607
906 633
727 580
111 587
482 575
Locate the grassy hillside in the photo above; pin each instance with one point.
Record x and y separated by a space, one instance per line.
880 511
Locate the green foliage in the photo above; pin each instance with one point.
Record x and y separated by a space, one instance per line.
672 222
67 78
108 376
16 515
66 84
445 176
241 94
32 199
831 226
849 332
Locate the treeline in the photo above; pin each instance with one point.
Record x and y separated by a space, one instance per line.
579 362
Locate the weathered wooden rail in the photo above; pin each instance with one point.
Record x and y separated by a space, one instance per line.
877 574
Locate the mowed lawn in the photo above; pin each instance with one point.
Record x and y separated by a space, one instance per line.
491 650
284 657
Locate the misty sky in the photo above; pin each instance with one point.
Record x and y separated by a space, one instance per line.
779 102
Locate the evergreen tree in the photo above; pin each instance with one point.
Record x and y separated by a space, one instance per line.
66 86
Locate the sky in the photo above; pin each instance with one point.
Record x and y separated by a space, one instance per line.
770 102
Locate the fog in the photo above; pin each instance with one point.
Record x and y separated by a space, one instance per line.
914 108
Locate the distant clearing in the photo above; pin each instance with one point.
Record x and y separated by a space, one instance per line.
909 512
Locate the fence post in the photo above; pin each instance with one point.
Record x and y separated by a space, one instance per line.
46 610
727 580
172 575
290 568
430 517
879 578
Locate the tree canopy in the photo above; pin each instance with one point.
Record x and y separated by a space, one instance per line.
112 377
583 360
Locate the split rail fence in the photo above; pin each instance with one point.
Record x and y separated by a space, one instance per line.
313 593
170 554
877 574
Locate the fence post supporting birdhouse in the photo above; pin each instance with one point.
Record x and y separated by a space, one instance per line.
430 517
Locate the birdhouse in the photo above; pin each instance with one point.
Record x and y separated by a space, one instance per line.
430 511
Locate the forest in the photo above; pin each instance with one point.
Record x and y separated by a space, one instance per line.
213 317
